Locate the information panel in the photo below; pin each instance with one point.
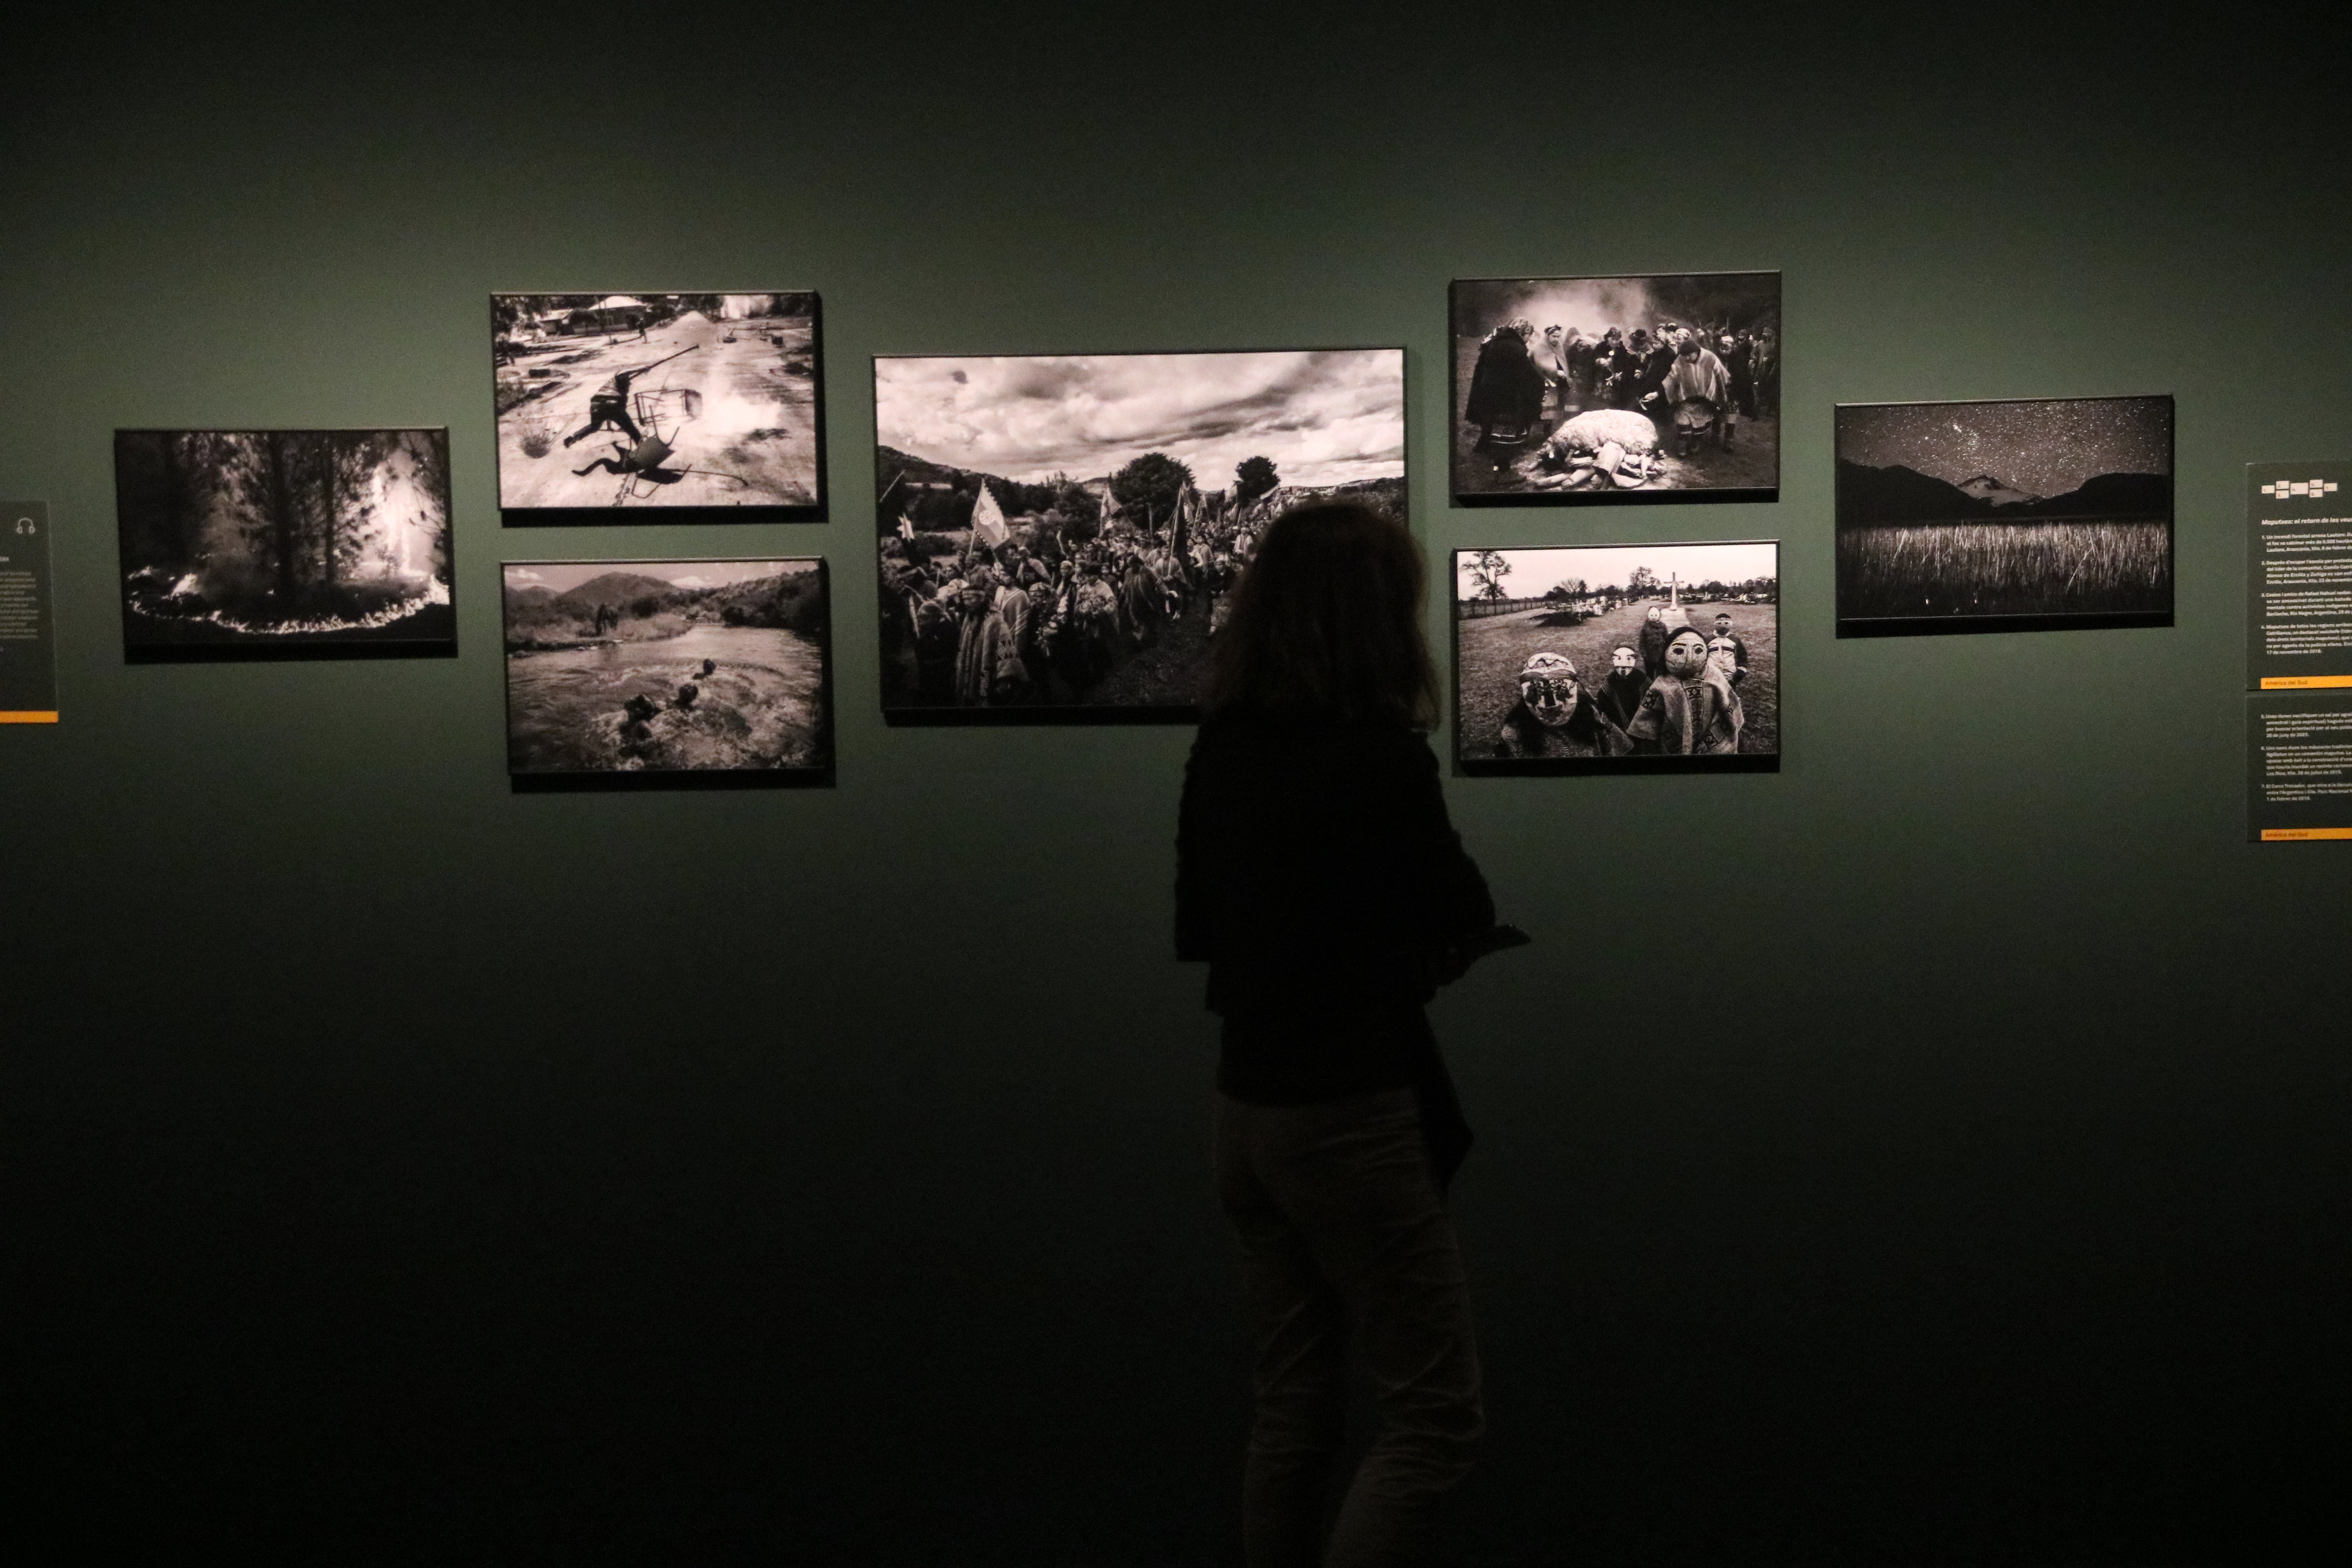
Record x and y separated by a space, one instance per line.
28 643
2299 765
2298 577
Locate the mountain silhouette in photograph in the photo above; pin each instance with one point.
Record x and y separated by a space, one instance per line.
612 589
1877 498
2000 492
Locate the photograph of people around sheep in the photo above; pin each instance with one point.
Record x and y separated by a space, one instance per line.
1664 387
649 667
2024 514
672 402
1059 532
250 544
1618 657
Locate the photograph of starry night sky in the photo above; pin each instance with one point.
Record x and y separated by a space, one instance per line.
2042 447
1983 516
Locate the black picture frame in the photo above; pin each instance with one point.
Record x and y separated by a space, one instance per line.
1919 553
1530 441
667 673
677 446
1593 603
1155 681
279 543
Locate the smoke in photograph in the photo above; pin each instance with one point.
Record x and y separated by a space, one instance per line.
271 540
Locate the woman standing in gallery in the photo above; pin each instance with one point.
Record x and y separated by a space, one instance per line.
1319 878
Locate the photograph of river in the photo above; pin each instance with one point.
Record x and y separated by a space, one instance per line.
640 666
665 401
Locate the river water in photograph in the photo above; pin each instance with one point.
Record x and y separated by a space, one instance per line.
759 706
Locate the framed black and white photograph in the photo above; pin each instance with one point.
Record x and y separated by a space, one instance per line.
669 666
305 543
2021 514
1618 657
1057 533
659 407
1660 386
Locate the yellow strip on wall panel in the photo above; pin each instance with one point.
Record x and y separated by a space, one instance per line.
2304 682
28 717
2282 835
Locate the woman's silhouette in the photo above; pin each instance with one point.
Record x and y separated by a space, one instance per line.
1320 880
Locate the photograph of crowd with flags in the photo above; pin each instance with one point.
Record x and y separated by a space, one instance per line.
1061 533
1617 389
1589 657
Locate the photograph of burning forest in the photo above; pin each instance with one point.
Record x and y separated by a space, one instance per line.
1058 534
643 667
2017 515
255 543
1578 390
1626 657
679 402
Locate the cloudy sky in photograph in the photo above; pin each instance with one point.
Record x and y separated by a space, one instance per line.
1324 418
563 575
1611 566
2044 447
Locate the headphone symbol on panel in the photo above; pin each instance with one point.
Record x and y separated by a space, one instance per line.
25 525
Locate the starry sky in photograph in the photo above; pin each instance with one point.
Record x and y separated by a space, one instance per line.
2042 447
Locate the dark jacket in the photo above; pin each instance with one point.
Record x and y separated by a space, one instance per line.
1506 387
1587 733
1652 375
1619 697
1317 875
1651 641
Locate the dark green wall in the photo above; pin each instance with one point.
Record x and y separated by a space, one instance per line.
1932 1153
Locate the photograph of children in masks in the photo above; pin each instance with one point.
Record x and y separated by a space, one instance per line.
1606 653
1595 389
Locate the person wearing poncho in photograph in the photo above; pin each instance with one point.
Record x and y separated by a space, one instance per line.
1690 710
1555 716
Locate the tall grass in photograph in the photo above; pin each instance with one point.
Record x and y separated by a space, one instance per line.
2086 567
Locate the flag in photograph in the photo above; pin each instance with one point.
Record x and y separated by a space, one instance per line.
988 520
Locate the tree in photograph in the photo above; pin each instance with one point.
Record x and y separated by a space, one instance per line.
345 465
268 470
1487 569
1253 478
1566 588
1643 580
187 477
290 490
1147 487
1077 514
429 451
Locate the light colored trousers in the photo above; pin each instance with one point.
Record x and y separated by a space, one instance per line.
1343 1232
